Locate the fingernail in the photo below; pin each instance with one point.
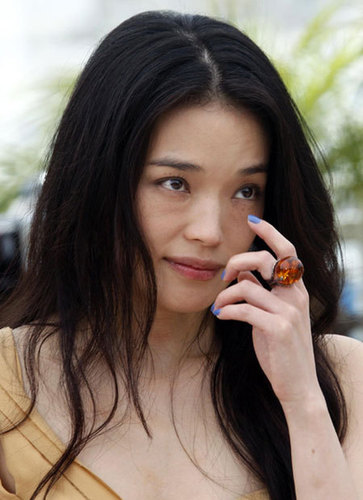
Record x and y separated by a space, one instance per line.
212 308
216 312
223 274
254 219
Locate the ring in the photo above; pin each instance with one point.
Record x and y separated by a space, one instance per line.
286 271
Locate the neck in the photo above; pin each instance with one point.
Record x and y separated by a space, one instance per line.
174 339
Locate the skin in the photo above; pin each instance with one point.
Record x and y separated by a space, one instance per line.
201 215
202 218
274 315
206 216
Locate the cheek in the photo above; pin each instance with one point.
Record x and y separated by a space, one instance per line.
149 213
238 237
238 234
159 228
155 208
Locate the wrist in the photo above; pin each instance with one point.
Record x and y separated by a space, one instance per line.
312 406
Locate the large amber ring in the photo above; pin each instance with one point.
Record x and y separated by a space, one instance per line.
286 271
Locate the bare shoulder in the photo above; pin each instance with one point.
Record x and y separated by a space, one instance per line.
346 355
340 347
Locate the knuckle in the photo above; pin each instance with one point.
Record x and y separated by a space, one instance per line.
246 310
264 254
244 286
290 313
302 299
233 262
305 294
226 312
285 328
290 249
223 298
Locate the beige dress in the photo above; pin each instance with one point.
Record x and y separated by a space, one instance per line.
32 448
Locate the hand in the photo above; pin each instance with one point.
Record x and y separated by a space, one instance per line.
280 318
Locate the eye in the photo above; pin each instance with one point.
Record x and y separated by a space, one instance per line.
248 192
174 184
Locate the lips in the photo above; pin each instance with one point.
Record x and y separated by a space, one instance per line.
194 268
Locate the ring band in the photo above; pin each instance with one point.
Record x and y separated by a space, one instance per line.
286 272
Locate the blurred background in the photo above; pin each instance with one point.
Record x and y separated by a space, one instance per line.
317 45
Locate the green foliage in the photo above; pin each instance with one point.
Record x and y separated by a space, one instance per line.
319 67
18 164
322 69
16 169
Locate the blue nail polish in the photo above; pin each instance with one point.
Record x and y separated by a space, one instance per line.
216 312
254 219
223 274
212 308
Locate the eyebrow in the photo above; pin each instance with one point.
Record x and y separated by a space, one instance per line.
183 165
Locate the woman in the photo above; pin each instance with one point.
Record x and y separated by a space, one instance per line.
117 379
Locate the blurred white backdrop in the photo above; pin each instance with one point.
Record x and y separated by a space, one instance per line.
43 39
44 42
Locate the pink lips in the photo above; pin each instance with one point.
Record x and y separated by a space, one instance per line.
193 268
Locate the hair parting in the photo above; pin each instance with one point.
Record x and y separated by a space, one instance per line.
88 260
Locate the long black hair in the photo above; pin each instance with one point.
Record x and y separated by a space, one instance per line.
86 240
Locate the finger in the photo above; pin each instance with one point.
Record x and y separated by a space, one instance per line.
243 275
248 313
295 294
253 294
261 261
280 245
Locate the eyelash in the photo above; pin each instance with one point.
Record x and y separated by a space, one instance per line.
256 189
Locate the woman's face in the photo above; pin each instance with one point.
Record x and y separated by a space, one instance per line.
205 171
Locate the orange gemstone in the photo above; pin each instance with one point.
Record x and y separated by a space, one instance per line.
287 271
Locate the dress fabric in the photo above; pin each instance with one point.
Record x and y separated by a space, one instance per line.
32 448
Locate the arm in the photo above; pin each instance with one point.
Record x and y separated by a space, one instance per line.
283 345
322 469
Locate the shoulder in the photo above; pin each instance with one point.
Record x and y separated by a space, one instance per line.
340 346
346 355
7 348
13 400
5 335
10 344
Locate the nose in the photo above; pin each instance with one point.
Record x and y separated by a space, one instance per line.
204 222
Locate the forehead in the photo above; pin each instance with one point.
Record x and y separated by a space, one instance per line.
211 133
